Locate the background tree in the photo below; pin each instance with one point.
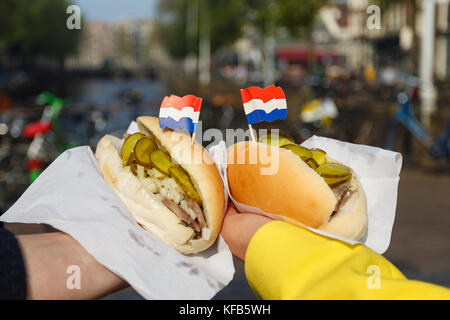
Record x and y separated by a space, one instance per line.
30 29
297 17
227 19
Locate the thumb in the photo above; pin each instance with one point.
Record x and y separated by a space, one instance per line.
231 209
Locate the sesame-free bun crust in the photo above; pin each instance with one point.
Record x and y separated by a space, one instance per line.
291 190
151 213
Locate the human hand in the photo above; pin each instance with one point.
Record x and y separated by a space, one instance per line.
47 257
239 228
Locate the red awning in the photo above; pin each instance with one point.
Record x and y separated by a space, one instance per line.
301 53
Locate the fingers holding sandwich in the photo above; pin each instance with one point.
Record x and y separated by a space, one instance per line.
238 229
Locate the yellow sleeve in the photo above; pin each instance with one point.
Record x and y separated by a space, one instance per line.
287 262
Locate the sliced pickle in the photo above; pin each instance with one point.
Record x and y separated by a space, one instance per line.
161 160
312 163
185 183
142 151
130 160
277 141
334 173
304 153
333 170
132 163
334 182
128 146
319 156
133 167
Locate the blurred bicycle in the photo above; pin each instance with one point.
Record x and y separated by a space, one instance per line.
47 135
438 147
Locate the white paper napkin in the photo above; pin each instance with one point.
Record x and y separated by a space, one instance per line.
72 196
378 171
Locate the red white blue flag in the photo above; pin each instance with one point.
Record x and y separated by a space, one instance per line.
267 104
180 113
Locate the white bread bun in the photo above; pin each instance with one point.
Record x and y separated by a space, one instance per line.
148 210
292 190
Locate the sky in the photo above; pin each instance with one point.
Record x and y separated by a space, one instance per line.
114 10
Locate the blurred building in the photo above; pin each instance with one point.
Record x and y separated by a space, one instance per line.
126 44
96 47
346 25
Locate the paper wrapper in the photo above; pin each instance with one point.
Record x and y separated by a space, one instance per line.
72 196
378 171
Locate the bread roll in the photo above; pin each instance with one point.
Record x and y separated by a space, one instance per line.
278 182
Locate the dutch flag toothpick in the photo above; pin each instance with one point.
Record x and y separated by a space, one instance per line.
267 104
180 112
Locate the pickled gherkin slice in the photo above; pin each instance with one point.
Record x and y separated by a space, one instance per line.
304 153
133 168
128 146
312 163
130 160
334 182
319 156
185 183
277 141
334 173
142 151
133 165
162 161
333 170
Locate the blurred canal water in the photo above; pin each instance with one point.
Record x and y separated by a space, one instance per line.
100 106
103 91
